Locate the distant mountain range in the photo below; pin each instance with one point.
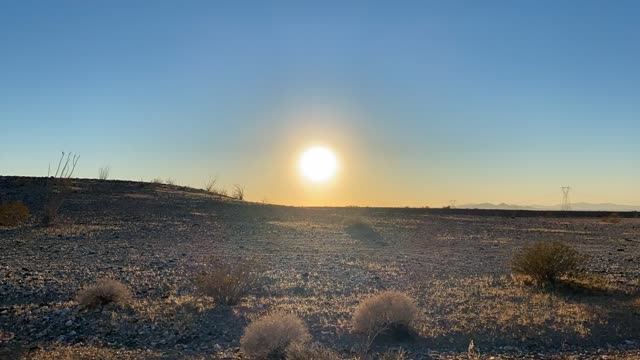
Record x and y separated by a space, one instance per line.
574 206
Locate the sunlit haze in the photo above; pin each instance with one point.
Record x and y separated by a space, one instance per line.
416 104
318 164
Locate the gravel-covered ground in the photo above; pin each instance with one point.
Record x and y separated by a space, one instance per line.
154 238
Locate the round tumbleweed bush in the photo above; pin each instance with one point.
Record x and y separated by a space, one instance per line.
105 291
269 336
545 261
388 310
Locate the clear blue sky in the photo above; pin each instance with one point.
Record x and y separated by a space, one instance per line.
498 101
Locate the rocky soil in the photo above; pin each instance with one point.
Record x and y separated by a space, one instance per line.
155 237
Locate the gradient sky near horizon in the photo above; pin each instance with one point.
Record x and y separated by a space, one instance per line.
423 102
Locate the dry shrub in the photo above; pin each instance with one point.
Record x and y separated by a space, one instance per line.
209 186
57 191
356 222
545 261
612 218
105 291
301 350
359 228
238 192
58 186
269 336
227 284
103 172
13 213
386 311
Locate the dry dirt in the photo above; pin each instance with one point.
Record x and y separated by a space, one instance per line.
315 263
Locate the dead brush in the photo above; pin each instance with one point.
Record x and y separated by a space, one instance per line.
103 172
104 292
545 261
13 213
225 283
270 336
210 185
238 192
386 312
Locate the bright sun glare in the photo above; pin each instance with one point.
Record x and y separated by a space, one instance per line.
318 164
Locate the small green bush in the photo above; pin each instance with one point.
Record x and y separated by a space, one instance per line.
13 213
545 261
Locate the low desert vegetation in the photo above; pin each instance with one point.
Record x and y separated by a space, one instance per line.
386 312
170 181
210 185
238 192
394 355
359 228
612 218
546 261
270 336
304 351
103 172
104 292
13 213
225 283
58 187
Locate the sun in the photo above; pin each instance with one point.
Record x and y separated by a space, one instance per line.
318 164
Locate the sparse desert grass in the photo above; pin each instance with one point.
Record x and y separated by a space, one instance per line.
502 310
612 218
227 284
156 180
104 292
304 351
269 336
13 213
170 181
388 311
178 313
103 172
394 355
545 261
86 352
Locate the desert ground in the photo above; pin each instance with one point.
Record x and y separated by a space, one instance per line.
155 238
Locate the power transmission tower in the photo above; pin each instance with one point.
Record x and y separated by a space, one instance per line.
566 201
